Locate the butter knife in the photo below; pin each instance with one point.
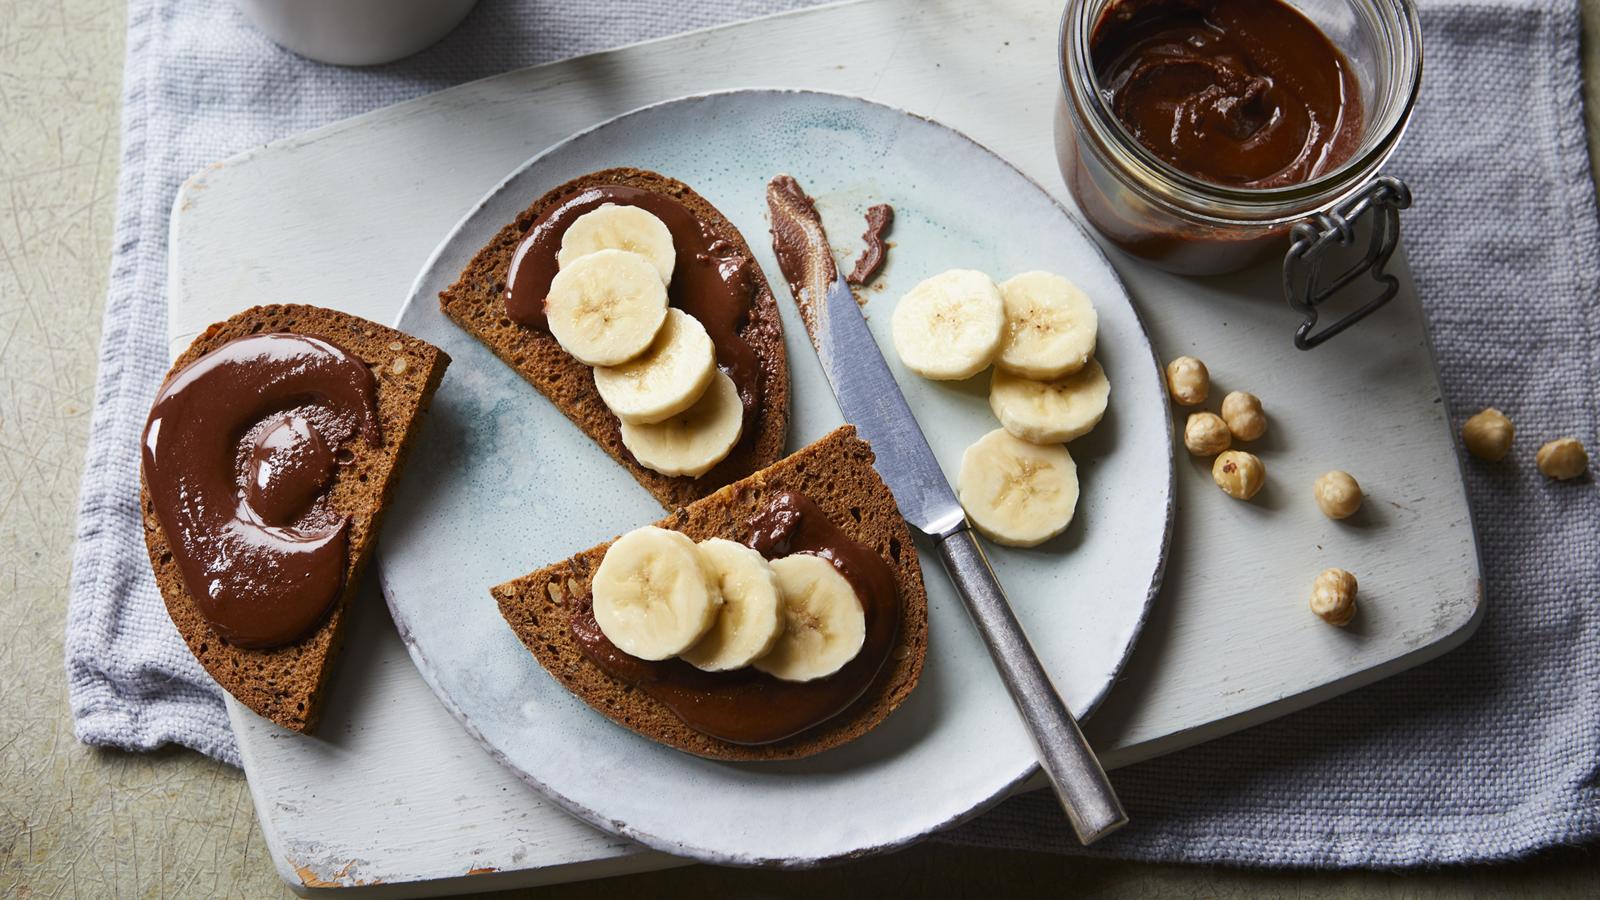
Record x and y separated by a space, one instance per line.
870 399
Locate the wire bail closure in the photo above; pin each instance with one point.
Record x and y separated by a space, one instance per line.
1311 239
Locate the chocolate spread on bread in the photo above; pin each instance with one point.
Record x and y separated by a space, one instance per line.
239 451
710 279
746 706
879 218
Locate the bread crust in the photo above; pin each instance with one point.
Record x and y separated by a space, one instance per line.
476 302
286 684
835 473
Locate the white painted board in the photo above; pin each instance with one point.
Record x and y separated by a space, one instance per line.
391 790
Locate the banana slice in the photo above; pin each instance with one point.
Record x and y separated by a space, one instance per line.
613 227
1015 492
1050 412
949 326
824 624
653 595
605 308
667 379
1050 327
750 621
692 441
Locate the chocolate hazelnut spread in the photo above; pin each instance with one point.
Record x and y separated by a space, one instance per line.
239 451
1243 93
879 218
747 706
800 244
710 278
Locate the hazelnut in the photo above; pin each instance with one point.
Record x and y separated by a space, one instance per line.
400 365
1563 458
1488 435
1338 495
1205 434
1333 596
1244 416
1188 381
1239 474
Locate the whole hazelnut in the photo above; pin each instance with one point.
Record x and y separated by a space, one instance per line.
1563 458
1244 415
1488 435
1205 434
1239 474
1188 381
1338 495
1333 596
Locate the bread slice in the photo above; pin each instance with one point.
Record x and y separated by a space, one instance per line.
836 473
476 302
285 684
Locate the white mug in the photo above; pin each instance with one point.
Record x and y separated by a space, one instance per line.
356 32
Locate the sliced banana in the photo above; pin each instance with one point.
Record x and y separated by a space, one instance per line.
667 379
750 620
949 326
1050 412
613 227
1016 492
692 441
824 624
605 308
654 597
1050 326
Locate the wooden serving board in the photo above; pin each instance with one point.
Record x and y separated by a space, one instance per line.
393 796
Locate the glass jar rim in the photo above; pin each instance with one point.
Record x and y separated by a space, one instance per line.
1164 184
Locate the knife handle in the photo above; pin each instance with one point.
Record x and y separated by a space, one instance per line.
1079 781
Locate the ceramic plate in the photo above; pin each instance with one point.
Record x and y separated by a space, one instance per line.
500 483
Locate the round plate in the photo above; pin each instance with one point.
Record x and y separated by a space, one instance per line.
500 483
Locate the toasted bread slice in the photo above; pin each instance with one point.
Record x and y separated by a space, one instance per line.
836 473
285 684
476 302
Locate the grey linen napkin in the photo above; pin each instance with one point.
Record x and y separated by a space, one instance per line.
1490 752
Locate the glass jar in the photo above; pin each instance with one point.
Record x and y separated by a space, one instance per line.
1193 227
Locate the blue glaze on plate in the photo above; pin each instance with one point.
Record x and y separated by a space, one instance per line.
500 483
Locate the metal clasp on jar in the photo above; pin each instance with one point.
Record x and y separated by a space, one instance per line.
1311 240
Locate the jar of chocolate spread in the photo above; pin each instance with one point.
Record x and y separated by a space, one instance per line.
1196 134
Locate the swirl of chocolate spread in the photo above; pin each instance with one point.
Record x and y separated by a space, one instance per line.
1245 93
747 706
238 454
710 278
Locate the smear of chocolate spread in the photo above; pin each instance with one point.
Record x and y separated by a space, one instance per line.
879 220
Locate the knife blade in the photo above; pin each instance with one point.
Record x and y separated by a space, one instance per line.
871 400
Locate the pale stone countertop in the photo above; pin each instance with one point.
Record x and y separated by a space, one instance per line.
78 821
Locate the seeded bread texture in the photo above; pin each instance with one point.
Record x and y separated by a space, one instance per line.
476 302
286 684
835 473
